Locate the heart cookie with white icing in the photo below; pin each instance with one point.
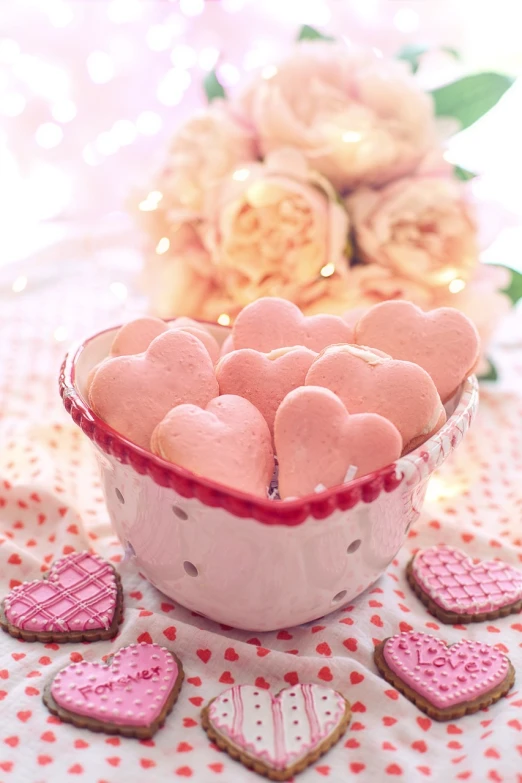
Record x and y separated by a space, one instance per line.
277 736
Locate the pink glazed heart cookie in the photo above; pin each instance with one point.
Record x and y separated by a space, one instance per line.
317 442
445 682
134 393
277 736
270 323
131 694
368 383
264 378
444 341
228 442
79 599
457 590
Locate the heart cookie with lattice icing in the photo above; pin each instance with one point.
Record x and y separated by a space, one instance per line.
445 682
79 599
131 694
458 590
277 736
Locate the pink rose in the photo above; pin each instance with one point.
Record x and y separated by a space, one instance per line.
206 148
421 228
277 228
371 284
358 118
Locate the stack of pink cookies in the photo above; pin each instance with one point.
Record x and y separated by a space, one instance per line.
332 401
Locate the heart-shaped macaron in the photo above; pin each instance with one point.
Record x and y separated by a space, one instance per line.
458 590
317 441
136 336
444 681
366 383
270 323
264 379
131 694
228 442
444 341
79 599
277 735
134 393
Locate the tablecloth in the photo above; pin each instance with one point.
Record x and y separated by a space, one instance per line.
51 503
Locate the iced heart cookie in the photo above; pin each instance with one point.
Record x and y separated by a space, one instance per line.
317 442
79 599
131 694
134 393
457 590
367 383
445 682
228 442
444 341
264 379
277 736
270 323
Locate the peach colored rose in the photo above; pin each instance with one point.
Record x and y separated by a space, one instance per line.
206 148
371 284
358 118
274 227
421 228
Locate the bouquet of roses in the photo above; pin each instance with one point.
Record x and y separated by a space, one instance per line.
323 182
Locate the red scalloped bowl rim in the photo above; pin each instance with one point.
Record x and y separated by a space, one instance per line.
288 512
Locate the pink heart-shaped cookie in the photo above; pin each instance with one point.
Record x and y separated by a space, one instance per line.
317 441
446 681
459 590
228 442
444 341
134 393
270 323
367 383
79 598
136 336
280 734
264 379
130 695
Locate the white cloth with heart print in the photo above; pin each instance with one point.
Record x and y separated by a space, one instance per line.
51 504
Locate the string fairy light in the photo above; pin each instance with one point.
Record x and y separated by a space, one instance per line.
224 319
328 270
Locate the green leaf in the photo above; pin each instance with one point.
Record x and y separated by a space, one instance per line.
213 87
412 53
469 98
491 375
514 289
307 33
463 174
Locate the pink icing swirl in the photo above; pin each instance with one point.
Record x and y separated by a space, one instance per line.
131 691
455 583
445 676
278 730
79 594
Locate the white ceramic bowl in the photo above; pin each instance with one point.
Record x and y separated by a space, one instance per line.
243 561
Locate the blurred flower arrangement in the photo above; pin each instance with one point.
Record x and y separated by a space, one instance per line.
323 182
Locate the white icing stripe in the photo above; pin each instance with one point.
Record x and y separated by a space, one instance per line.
279 737
237 725
311 713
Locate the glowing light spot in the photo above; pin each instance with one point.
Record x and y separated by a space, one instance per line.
171 88
119 290
228 74
328 270
208 57
90 156
406 20
59 13
162 246
183 56
12 104
60 334
19 284
124 131
149 123
457 285
155 195
151 202
124 10
351 137
240 175
106 144
64 111
100 67
158 37
192 7
269 71
48 135
224 320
